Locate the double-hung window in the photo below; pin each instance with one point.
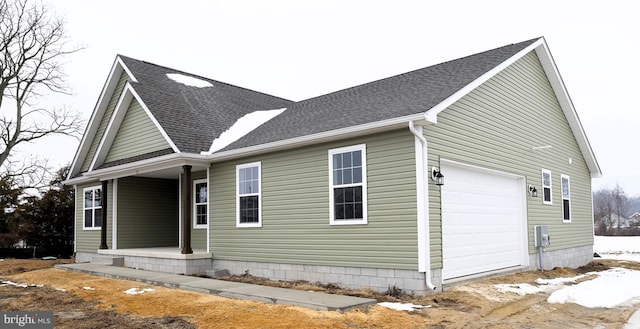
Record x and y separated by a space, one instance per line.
92 207
546 186
200 203
566 198
348 185
248 195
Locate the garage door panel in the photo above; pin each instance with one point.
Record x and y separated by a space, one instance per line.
482 221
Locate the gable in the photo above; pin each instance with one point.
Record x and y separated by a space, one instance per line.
137 135
104 121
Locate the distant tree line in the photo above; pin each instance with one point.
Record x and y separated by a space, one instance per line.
612 211
41 222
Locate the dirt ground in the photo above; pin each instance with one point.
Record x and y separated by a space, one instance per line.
84 301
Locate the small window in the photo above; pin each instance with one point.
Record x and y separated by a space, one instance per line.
566 198
546 187
248 195
92 207
200 203
348 185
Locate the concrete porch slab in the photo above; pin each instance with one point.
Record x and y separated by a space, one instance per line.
271 295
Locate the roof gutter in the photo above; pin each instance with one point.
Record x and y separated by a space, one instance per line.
422 191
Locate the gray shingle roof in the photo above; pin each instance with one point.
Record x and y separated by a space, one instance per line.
193 117
398 96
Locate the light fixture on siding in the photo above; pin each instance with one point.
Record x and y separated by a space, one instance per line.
533 191
437 176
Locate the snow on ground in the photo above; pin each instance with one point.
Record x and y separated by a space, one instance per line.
243 126
136 291
189 81
612 288
618 247
402 307
19 285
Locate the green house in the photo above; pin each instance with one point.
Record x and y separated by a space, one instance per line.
417 181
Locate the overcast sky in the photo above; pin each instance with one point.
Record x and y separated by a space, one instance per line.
302 49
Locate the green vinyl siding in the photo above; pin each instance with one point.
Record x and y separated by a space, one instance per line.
147 212
295 208
198 235
497 126
104 121
89 240
136 135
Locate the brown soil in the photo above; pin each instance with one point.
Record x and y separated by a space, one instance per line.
84 301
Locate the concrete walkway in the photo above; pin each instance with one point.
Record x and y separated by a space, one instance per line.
271 295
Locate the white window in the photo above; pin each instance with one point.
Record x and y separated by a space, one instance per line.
200 203
348 185
92 207
248 195
546 186
566 198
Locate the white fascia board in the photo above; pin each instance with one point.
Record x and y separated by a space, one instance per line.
327 136
79 180
98 112
559 88
432 113
168 161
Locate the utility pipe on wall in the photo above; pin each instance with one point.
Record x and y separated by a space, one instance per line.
423 205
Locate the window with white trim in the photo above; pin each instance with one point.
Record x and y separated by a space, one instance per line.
92 207
566 198
200 203
546 187
248 195
348 185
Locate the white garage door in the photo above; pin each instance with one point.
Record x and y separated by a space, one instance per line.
482 221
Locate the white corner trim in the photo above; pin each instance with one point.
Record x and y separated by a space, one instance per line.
208 209
114 214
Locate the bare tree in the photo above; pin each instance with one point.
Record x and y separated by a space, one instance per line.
32 45
620 203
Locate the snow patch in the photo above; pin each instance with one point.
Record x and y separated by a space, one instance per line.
618 247
243 126
520 289
403 306
189 81
136 291
19 285
612 288
88 288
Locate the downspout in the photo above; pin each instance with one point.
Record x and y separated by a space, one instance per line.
423 207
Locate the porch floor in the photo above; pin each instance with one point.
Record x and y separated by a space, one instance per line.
156 252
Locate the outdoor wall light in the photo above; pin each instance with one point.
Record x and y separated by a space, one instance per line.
437 176
533 191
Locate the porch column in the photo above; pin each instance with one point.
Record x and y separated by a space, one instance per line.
103 210
186 210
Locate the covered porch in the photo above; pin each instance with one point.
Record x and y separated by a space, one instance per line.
149 218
